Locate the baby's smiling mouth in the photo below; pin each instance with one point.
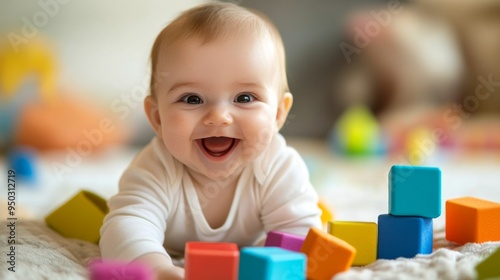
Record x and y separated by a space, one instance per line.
217 146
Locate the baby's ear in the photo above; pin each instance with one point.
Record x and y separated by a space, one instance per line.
153 113
284 106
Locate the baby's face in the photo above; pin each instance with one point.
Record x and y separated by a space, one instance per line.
216 107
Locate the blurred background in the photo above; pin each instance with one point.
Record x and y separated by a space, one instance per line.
401 81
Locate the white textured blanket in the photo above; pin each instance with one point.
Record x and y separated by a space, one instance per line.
43 254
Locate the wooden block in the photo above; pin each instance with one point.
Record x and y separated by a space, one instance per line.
415 191
470 219
489 268
403 236
270 263
327 255
119 270
361 235
284 240
81 217
207 260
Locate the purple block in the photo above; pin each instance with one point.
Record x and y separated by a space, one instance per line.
119 270
284 240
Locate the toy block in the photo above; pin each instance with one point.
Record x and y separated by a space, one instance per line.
211 260
284 240
270 263
23 162
361 235
403 236
99 270
81 217
470 219
489 268
326 212
327 255
415 191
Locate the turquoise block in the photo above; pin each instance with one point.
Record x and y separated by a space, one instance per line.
403 236
270 263
415 191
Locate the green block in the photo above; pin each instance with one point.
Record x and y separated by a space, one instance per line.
81 217
489 268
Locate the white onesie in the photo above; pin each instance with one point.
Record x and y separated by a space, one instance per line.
157 208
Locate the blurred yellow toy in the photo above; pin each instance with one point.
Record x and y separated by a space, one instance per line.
326 212
34 59
34 113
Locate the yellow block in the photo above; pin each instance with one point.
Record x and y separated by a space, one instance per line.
81 217
361 235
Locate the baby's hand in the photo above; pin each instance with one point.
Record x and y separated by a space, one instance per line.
170 273
162 266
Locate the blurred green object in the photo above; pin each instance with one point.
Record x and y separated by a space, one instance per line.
357 133
490 267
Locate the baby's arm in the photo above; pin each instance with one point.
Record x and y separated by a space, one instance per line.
134 229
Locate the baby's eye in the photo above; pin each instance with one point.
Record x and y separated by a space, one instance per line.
244 98
192 99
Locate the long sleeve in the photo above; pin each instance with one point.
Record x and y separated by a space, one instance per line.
138 214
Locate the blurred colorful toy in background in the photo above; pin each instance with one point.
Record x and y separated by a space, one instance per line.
35 113
357 133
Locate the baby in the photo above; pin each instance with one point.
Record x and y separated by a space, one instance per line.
218 170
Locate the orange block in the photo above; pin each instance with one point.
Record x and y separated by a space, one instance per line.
327 255
207 261
470 219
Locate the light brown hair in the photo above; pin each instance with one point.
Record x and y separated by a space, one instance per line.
213 21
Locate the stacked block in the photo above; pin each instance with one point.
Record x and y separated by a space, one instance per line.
327 255
489 268
270 263
414 199
415 191
206 260
404 236
471 219
284 240
81 217
118 270
361 235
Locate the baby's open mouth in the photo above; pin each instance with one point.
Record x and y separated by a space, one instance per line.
217 146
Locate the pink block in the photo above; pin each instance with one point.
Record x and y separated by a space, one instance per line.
119 270
284 240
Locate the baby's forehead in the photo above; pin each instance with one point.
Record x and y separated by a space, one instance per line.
170 49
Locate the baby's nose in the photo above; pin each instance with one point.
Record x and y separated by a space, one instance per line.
218 116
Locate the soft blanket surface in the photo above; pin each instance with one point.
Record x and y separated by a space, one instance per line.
41 253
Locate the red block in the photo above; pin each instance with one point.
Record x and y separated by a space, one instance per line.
207 260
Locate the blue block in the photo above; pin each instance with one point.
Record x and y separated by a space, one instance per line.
269 263
403 236
23 162
415 191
